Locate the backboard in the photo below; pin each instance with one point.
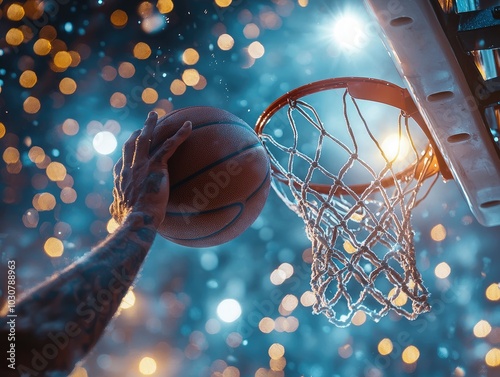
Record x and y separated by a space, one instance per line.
447 52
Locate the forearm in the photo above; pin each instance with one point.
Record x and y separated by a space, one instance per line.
71 310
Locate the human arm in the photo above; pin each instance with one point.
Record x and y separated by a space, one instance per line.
59 321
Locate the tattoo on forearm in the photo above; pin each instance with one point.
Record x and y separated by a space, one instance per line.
70 311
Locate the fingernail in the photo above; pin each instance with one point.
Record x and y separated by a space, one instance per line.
152 114
187 124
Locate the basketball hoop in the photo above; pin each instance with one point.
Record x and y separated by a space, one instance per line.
354 196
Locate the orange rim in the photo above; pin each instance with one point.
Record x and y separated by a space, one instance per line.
430 162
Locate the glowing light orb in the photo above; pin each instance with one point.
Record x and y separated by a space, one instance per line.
147 366
128 301
347 31
229 310
104 142
395 147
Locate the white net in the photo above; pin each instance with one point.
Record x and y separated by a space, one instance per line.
362 238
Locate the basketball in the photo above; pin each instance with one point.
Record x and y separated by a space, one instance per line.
219 177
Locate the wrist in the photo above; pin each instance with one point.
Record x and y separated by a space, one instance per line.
139 219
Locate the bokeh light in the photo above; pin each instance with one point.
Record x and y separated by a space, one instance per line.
349 247
190 56
14 37
128 301
118 100
53 247
56 171
147 366
15 12
149 95
62 59
289 302
359 318
119 18
10 155
67 86
229 310
266 325
493 292
225 42
345 351
398 298
276 351
178 87
438 232
492 357
442 270
191 77
482 329
108 73
28 79
68 195
385 346
256 50
251 31
307 298
112 225
126 70
142 50
70 127
42 46
31 105
75 81
79 372
165 6
410 354
104 142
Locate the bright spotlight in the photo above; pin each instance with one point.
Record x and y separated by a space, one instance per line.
104 142
229 310
348 31
395 147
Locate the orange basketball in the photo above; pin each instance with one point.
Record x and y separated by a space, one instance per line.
219 177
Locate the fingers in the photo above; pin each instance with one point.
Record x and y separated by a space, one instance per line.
170 145
117 168
143 142
128 150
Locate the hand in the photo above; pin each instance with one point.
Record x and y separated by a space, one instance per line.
141 181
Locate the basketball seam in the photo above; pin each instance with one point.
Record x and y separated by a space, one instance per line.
268 176
197 212
170 213
229 121
212 165
232 122
238 204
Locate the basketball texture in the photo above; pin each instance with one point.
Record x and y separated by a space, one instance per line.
219 177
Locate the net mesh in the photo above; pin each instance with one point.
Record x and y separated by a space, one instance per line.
362 238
